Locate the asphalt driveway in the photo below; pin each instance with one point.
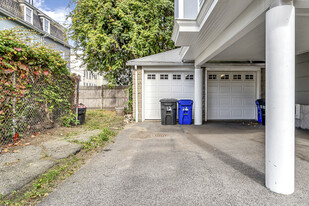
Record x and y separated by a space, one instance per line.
214 164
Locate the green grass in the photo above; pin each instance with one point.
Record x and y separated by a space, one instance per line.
33 193
43 185
99 119
98 140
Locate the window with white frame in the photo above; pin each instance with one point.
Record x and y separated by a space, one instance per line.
28 15
237 76
46 25
224 76
176 76
164 76
212 76
151 76
201 3
63 55
189 77
249 77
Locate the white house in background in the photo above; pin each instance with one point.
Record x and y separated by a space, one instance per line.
231 53
88 78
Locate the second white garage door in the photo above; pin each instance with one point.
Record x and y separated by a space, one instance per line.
231 95
159 85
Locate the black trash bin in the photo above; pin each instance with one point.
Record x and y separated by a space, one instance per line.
168 111
81 113
260 103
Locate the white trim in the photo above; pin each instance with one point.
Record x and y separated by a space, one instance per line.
136 96
198 96
234 69
143 95
205 97
45 19
25 14
181 9
172 69
258 88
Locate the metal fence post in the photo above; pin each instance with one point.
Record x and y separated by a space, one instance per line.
102 96
14 104
77 98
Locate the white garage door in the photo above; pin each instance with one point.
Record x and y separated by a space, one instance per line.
159 85
231 95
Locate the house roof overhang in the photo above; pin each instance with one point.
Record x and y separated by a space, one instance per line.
234 31
168 58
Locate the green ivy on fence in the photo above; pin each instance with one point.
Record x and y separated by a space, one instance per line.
34 83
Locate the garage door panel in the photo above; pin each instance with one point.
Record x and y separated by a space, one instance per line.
225 101
249 114
236 89
188 90
163 88
225 114
213 89
156 89
249 89
224 89
212 102
213 114
177 89
236 101
151 101
237 113
249 101
231 98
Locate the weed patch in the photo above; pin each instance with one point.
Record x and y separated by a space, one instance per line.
35 191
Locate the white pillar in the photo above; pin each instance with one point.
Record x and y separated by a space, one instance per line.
280 99
198 96
136 94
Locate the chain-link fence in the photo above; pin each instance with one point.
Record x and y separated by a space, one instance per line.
23 114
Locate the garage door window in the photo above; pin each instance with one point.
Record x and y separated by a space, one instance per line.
189 77
163 76
224 76
151 76
212 76
249 77
176 76
237 77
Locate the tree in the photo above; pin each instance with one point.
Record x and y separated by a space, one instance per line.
111 32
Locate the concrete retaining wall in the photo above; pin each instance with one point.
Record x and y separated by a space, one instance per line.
102 97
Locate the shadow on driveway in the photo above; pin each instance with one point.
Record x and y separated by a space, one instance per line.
243 168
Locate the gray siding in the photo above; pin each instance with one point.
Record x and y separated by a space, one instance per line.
59 47
302 79
10 24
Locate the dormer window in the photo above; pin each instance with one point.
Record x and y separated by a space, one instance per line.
28 15
46 25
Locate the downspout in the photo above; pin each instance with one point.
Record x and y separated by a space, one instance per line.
42 39
136 95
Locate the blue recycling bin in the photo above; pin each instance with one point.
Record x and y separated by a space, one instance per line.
185 111
260 103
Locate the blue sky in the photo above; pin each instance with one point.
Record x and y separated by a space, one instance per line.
54 4
56 9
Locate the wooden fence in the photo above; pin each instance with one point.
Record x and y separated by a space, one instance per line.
102 97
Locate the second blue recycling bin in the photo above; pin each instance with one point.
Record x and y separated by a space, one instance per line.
185 111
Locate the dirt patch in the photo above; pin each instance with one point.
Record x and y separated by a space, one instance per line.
95 119
140 135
